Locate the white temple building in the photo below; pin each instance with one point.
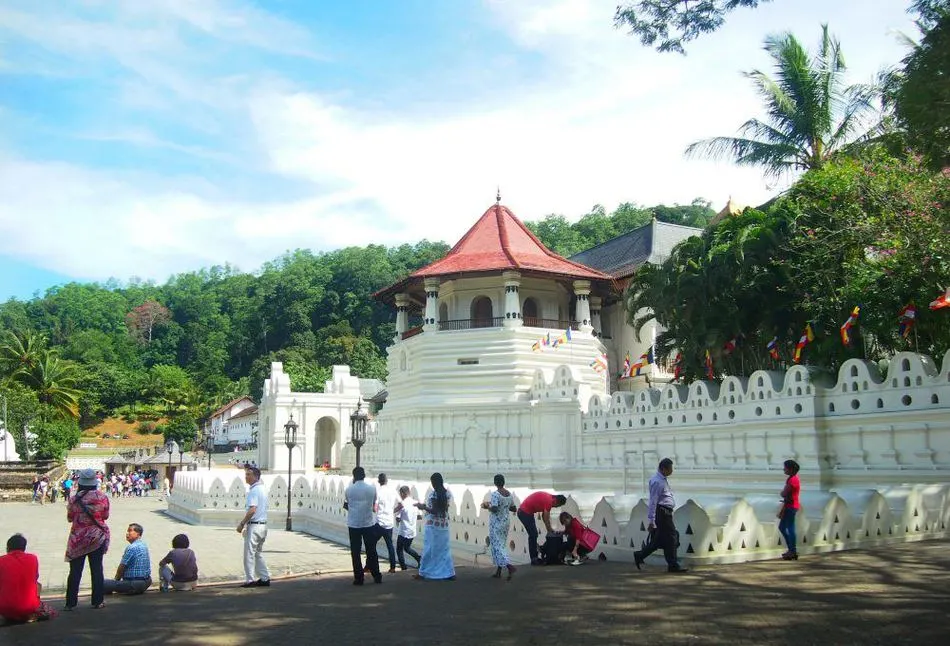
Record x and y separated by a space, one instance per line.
498 366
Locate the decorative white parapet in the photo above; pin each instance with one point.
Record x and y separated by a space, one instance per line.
713 528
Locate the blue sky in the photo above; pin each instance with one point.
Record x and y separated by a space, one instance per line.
148 138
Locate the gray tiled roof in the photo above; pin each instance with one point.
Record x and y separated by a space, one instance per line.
651 243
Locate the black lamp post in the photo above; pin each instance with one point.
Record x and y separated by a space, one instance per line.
290 439
358 421
170 447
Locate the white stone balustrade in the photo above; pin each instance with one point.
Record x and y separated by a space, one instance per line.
713 528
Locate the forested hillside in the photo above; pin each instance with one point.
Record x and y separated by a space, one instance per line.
166 355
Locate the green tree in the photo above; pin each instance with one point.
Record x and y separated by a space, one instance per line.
669 24
922 94
812 115
55 436
55 382
183 429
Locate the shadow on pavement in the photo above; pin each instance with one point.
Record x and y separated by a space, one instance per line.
896 595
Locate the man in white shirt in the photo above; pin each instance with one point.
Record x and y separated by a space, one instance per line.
406 515
256 522
360 505
385 519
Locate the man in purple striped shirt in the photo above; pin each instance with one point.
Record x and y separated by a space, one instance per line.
663 532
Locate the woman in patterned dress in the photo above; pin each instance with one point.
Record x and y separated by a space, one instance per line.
500 504
436 552
88 511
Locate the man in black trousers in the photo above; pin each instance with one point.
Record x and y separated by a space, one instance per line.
660 515
360 505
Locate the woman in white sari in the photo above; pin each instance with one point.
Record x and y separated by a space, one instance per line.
436 551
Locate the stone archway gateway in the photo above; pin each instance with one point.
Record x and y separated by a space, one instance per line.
326 447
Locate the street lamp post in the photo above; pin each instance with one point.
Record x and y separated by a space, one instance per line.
4 434
209 444
358 421
290 439
170 447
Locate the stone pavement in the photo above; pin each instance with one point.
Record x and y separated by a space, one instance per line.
219 549
894 595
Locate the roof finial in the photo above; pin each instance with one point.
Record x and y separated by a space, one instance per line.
498 196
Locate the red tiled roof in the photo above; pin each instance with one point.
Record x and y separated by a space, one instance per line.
498 242
230 404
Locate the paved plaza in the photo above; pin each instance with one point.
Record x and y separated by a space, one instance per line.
892 595
219 549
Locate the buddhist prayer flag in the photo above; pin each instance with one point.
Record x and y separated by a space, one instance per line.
646 359
678 366
599 364
730 345
710 373
772 347
625 371
536 346
807 337
906 319
943 301
850 323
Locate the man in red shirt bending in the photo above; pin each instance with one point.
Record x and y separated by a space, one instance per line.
540 502
19 585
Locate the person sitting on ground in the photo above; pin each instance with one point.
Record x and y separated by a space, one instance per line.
179 568
574 531
19 585
134 574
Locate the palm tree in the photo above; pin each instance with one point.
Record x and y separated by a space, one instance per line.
811 113
18 352
54 382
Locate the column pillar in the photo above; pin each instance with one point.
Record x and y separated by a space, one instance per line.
595 305
402 315
582 308
431 320
512 300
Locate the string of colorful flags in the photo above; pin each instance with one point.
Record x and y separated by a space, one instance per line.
906 319
548 342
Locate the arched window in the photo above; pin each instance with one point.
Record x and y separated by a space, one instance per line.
529 311
443 313
481 312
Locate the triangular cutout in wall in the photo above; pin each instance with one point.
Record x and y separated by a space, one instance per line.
689 529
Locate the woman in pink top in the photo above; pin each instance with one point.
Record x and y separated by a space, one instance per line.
88 511
790 507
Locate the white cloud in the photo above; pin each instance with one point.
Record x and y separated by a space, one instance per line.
606 121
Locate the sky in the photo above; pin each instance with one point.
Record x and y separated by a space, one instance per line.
139 139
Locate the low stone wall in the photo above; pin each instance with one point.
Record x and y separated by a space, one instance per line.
713 529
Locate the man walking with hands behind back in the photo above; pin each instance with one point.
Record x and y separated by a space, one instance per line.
660 515
256 522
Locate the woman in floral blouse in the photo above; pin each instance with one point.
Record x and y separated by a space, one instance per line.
88 511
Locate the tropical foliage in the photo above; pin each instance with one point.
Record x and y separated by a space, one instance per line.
812 115
870 231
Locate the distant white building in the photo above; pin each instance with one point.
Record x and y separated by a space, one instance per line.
241 429
217 424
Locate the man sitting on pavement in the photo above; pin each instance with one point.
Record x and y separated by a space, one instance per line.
134 574
19 585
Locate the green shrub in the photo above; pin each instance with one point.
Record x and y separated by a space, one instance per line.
144 428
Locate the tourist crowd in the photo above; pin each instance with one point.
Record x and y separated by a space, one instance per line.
373 513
